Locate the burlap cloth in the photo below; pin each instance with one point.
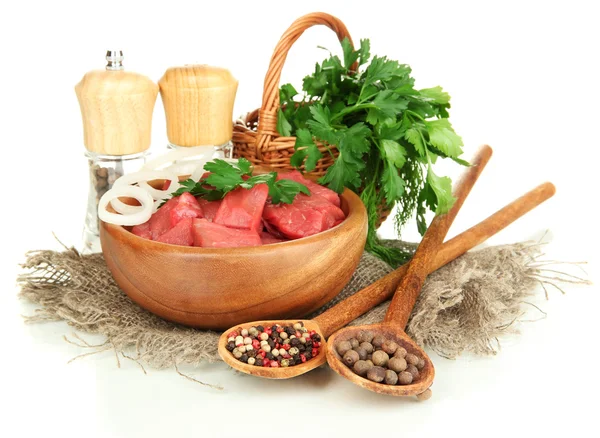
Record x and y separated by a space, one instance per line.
464 306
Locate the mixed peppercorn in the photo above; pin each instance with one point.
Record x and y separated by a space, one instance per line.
379 359
274 346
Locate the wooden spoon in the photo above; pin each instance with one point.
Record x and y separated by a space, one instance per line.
396 318
352 307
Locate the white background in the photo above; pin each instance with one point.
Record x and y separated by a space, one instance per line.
524 78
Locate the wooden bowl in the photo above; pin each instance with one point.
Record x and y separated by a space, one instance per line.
216 288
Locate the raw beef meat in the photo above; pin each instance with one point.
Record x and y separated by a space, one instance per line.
209 208
180 234
160 222
267 238
211 235
143 230
242 208
321 204
314 188
186 206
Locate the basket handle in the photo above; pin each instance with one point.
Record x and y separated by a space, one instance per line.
267 120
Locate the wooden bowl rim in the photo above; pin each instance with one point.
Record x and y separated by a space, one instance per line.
356 215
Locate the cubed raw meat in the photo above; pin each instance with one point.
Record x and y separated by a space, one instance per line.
180 234
209 208
160 222
295 222
211 235
267 238
187 206
143 230
306 216
319 203
243 208
314 188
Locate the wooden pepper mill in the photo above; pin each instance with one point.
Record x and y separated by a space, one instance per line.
198 102
116 109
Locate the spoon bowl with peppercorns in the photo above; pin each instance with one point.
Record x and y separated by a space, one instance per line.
382 357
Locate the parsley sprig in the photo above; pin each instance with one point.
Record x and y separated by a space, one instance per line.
388 135
225 177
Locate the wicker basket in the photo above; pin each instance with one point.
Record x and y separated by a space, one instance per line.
256 138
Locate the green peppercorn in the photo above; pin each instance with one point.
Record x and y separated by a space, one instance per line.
266 348
397 364
378 340
389 346
367 346
362 353
251 361
264 336
283 335
361 367
253 332
405 378
365 336
286 341
342 347
237 353
370 362
298 326
285 363
380 358
391 378
376 374
351 357
354 342
293 351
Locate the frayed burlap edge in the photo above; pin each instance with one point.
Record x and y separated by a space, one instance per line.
464 307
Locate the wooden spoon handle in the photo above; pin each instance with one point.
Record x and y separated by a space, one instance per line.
351 308
410 286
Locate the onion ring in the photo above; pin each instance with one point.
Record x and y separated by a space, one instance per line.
139 217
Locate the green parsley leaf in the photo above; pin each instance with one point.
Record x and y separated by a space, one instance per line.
350 56
436 94
394 152
287 92
306 149
393 184
364 53
414 137
285 190
442 187
443 137
283 126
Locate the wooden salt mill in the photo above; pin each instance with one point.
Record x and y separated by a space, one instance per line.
198 102
116 109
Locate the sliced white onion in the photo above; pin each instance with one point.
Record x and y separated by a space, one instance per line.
139 217
178 154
